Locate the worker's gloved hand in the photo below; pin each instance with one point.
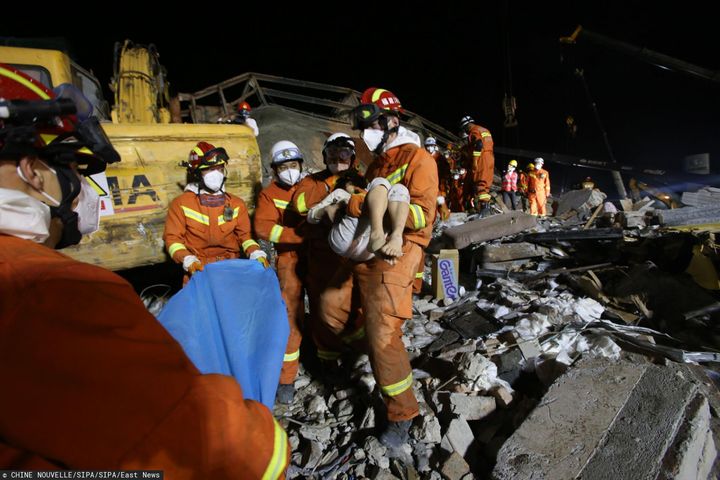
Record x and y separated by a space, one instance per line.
192 264
261 257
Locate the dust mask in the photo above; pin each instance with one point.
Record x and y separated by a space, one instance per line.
336 168
214 180
289 177
373 138
88 209
23 216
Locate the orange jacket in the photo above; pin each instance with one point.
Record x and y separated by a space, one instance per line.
415 168
480 142
98 383
444 173
539 182
275 219
192 228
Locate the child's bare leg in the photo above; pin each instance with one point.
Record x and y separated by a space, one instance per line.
376 203
398 210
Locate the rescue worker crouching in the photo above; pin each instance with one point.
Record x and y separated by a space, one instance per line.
108 375
206 224
277 222
385 289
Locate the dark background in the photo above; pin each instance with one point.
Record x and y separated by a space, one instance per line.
444 61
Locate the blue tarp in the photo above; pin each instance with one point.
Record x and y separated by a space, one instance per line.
231 319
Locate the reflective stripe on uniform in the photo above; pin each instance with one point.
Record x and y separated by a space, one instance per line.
291 357
175 247
397 175
197 216
221 218
484 196
485 134
327 355
281 204
418 216
399 387
278 461
419 275
249 243
25 82
477 153
301 207
275 233
356 335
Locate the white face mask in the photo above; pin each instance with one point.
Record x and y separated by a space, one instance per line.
432 149
336 168
214 180
511 169
23 216
372 138
88 208
289 177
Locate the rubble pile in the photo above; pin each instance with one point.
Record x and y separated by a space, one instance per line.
537 303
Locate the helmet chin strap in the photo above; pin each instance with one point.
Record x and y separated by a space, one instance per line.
383 121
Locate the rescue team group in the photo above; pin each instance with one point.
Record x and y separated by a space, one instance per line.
91 380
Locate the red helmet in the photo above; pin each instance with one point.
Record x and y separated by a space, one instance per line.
37 121
244 107
384 99
205 155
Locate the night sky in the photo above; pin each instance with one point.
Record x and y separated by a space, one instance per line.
448 60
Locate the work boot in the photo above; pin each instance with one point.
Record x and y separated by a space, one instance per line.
396 434
285 394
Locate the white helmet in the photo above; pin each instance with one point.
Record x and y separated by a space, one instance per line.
346 139
285 151
465 121
539 162
430 141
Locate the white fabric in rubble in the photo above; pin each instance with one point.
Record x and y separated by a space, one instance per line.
565 308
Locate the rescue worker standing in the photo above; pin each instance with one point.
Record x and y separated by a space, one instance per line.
538 188
206 224
443 176
243 117
275 221
339 157
509 185
480 149
78 349
385 289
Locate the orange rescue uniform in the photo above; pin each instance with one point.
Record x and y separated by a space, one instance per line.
323 262
276 222
385 291
538 191
92 381
192 228
480 143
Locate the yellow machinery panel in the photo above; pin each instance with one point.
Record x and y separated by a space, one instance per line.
137 191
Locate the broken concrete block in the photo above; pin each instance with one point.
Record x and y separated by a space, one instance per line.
458 438
316 405
585 199
455 467
313 433
471 407
428 431
376 452
503 396
505 252
302 382
489 228
509 364
422 453
477 371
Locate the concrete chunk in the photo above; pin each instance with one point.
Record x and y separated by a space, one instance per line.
455 467
458 437
471 407
489 228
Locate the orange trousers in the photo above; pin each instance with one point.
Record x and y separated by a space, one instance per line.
385 298
537 201
290 272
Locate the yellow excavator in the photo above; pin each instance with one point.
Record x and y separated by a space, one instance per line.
135 193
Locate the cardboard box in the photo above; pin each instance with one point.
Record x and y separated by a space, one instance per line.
445 268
